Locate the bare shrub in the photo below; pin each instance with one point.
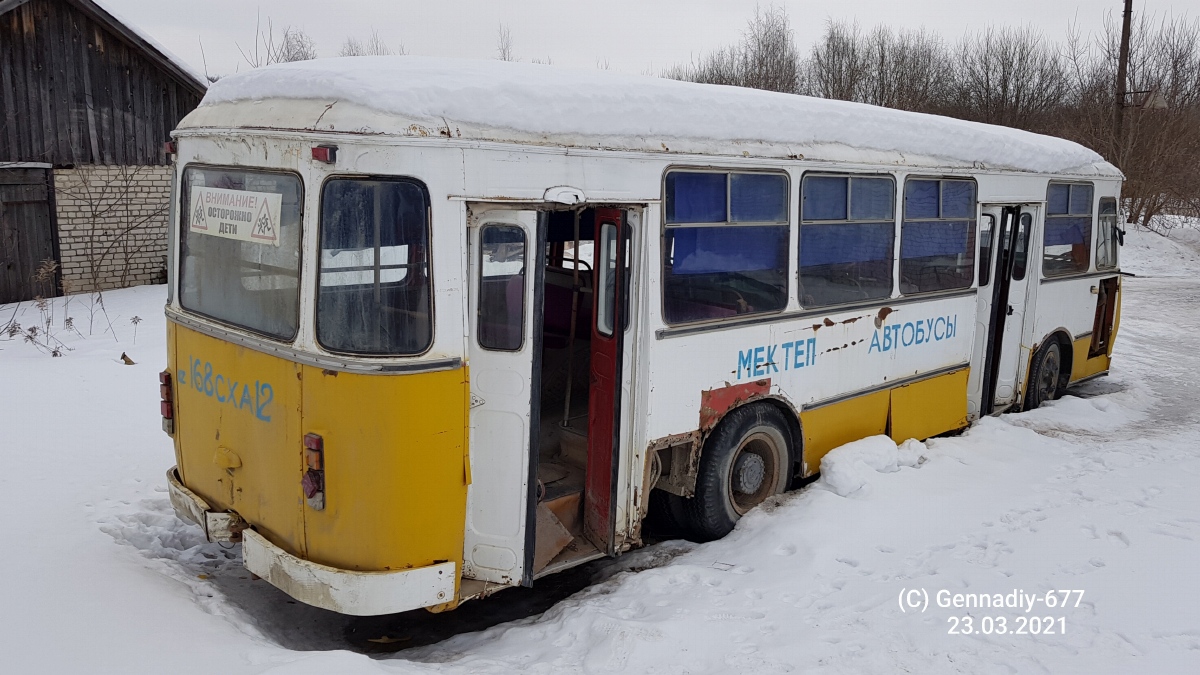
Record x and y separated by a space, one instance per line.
296 45
292 45
113 216
372 46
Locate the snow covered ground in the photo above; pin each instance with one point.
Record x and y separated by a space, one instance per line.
1098 492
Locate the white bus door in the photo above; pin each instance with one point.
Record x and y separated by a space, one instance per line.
505 265
1008 288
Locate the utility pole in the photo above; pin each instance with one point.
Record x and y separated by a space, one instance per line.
1122 82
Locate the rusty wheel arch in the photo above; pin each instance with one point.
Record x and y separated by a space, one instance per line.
683 462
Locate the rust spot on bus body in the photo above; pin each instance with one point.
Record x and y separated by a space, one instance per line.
714 403
883 314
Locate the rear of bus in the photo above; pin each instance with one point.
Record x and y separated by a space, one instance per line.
317 416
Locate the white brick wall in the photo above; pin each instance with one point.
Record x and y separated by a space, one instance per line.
112 225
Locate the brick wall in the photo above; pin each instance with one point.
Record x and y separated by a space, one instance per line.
112 225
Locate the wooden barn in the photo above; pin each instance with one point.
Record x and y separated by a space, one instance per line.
86 105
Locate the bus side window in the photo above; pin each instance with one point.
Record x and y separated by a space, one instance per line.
606 286
987 230
937 239
725 244
1106 238
1021 256
1067 246
847 230
501 287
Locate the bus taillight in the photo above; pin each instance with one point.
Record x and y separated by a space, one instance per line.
313 482
166 405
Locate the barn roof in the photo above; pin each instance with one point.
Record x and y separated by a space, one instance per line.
549 105
133 35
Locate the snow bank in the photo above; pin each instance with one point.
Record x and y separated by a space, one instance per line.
849 468
522 102
1148 254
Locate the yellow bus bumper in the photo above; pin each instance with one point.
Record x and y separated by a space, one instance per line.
343 591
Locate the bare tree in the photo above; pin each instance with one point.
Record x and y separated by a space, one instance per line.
910 70
1159 144
765 58
1008 76
837 66
504 45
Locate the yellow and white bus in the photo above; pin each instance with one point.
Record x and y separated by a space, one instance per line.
437 327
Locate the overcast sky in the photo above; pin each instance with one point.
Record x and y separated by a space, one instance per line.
630 35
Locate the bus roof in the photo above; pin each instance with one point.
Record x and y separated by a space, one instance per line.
564 107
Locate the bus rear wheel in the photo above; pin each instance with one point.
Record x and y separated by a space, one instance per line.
1044 376
747 459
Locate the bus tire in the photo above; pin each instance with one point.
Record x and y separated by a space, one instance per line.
746 459
1045 374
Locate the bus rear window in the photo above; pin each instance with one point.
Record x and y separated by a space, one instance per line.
374 291
240 248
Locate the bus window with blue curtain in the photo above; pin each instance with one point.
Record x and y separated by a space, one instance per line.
847 229
1067 243
937 237
725 250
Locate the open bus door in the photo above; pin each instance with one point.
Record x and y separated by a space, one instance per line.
505 271
1002 302
611 278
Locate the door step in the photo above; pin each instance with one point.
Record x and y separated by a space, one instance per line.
551 537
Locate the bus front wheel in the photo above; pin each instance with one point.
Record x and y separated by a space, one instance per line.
743 462
1044 376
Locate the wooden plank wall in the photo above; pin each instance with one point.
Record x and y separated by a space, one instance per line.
26 234
72 92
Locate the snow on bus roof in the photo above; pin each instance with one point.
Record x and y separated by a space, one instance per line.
550 105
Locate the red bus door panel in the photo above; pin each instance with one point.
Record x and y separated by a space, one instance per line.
608 278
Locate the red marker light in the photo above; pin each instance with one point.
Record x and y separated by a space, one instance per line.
313 481
314 452
325 153
165 406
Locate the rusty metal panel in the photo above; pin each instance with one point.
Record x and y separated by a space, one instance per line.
714 403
